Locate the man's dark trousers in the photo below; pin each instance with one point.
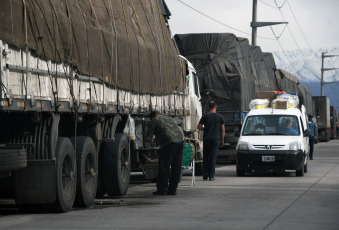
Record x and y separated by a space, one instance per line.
170 157
311 141
210 153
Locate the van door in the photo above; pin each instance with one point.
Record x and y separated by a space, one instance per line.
304 122
304 117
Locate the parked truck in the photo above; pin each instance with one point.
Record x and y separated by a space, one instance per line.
77 83
231 72
322 115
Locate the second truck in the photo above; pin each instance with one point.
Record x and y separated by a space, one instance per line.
231 72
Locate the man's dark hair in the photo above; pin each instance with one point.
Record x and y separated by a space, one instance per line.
212 104
153 114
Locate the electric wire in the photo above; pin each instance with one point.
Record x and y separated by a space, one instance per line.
287 56
213 19
295 41
282 5
298 24
268 4
293 37
303 34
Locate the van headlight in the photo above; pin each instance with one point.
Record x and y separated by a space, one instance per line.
294 145
243 145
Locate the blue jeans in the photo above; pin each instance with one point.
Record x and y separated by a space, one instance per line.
210 152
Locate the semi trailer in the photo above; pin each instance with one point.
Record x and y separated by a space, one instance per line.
78 81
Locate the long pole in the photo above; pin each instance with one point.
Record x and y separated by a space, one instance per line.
254 19
322 75
322 83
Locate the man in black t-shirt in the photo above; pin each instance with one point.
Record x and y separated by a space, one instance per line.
213 125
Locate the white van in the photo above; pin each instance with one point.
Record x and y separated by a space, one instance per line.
266 145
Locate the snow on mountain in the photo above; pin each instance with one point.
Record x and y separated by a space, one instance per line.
306 65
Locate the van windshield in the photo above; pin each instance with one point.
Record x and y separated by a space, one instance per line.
271 125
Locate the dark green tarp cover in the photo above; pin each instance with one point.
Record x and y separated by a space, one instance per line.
125 43
231 71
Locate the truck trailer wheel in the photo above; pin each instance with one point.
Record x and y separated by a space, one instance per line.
66 175
87 171
116 166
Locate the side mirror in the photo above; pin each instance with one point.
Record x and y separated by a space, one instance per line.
237 133
307 133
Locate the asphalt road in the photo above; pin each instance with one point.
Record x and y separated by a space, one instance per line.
256 201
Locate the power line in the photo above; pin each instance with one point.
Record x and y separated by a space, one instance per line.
219 21
302 32
287 56
281 5
268 4
295 41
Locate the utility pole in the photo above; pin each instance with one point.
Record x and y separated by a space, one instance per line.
255 24
322 83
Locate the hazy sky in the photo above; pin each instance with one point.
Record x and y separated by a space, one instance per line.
318 21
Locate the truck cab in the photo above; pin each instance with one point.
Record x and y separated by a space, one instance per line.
273 140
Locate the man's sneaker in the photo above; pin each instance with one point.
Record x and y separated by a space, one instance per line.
159 193
171 192
204 177
211 179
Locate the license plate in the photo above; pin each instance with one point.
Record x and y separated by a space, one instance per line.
268 158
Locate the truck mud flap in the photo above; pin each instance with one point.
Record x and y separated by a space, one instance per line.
36 183
12 158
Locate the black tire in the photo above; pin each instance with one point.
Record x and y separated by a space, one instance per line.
306 166
116 166
87 171
301 171
66 176
240 172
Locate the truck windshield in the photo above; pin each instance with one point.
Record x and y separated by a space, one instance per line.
271 125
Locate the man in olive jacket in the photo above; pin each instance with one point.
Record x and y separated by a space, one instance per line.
171 138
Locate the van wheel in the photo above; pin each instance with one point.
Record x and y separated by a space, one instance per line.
301 171
240 172
117 166
66 176
305 168
87 171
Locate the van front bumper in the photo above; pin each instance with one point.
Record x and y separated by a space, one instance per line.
276 160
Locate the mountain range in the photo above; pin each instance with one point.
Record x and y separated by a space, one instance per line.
306 65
